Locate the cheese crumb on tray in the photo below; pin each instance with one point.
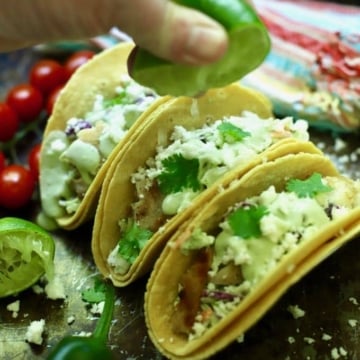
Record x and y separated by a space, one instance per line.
14 307
34 333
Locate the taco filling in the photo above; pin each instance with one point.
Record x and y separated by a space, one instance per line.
72 158
252 238
193 161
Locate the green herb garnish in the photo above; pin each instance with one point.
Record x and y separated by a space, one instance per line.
231 133
95 294
133 239
121 99
245 221
309 187
179 173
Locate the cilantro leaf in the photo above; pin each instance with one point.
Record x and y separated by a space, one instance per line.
121 99
245 221
179 173
307 188
133 240
231 133
95 294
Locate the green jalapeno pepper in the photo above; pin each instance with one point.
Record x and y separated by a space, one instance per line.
94 346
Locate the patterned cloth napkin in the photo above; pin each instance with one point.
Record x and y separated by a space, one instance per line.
313 69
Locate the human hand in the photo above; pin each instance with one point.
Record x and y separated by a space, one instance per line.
164 28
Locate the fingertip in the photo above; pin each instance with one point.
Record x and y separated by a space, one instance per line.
204 45
195 38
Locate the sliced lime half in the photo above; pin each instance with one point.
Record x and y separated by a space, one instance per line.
26 253
249 43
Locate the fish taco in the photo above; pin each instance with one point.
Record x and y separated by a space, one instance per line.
187 151
96 113
228 264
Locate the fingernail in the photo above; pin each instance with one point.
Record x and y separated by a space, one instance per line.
205 44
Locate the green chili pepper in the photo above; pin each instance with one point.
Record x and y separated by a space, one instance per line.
93 347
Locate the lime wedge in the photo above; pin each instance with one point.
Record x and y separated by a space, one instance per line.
26 253
249 44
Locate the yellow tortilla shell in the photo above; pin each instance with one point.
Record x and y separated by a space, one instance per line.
118 192
162 287
100 75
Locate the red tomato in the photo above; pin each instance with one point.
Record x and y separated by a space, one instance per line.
2 160
26 101
47 74
52 98
77 59
9 122
17 184
34 160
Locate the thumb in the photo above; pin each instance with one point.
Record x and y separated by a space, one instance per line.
164 28
174 32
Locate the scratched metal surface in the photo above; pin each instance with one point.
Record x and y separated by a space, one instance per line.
329 295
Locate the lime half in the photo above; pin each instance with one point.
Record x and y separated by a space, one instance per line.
249 44
26 253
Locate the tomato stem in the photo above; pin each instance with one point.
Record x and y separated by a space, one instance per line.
9 147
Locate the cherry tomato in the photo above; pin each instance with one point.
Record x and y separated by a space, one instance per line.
52 99
17 184
26 101
46 75
2 160
34 160
77 59
9 122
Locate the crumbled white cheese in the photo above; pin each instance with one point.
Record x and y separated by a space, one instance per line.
35 331
215 154
353 301
70 320
336 353
342 351
353 322
309 340
326 337
291 340
344 159
83 334
296 311
37 289
240 339
161 229
14 307
96 135
353 157
321 145
120 265
117 302
340 144
97 308
55 289
58 145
